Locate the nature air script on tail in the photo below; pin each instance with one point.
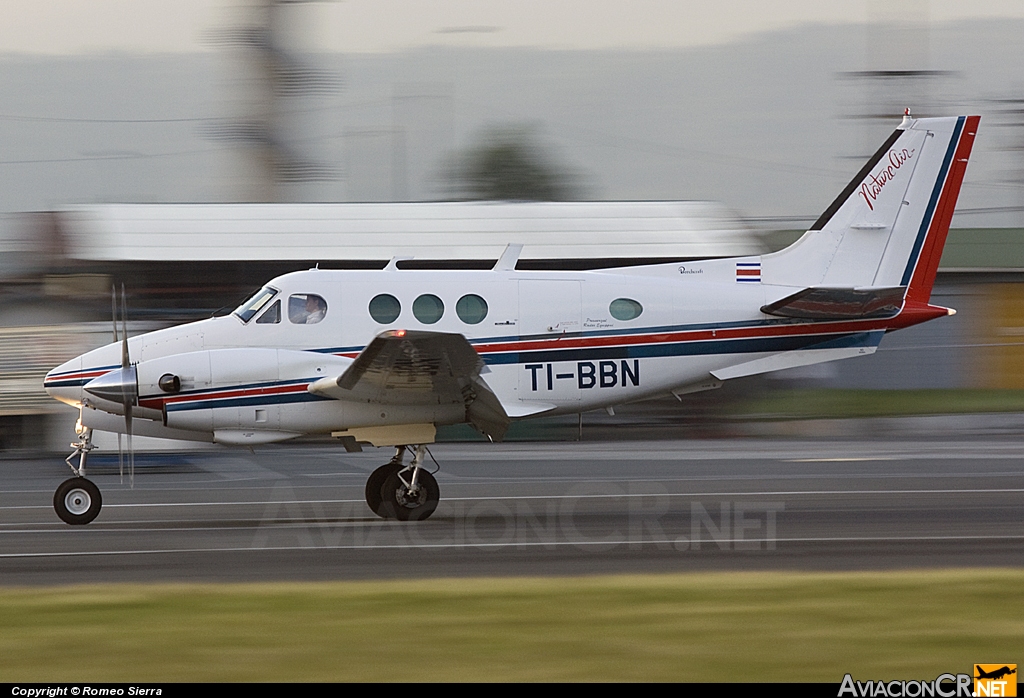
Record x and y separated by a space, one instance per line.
384 357
887 172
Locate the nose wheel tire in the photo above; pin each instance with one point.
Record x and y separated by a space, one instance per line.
77 501
402 504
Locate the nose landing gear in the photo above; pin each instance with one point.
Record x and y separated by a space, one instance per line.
77 501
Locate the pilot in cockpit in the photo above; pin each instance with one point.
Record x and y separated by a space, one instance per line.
306 309
316 308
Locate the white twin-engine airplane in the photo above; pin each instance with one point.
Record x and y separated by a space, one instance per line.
385 356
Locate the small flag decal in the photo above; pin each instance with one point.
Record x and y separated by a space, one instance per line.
748 272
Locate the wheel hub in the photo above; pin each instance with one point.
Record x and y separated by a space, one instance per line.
411 498
406 503
77 501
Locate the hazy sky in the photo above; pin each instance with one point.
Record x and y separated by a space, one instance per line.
90 26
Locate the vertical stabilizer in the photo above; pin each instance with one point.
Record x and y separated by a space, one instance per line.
888 226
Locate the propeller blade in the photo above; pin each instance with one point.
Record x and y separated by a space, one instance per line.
120 459
131 448
128 398
113 309
124 330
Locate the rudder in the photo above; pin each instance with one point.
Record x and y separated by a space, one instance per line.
919 274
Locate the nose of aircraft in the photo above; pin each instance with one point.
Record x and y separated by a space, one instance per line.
65 382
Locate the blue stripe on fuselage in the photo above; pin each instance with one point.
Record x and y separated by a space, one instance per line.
245 401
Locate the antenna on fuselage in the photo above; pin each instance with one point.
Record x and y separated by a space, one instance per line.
113 309
508 259
393 264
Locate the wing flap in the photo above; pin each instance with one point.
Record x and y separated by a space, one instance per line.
406 367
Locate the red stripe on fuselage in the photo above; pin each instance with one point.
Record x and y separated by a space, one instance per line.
687 336
77 375
159 401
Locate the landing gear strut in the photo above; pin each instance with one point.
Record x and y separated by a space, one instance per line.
77 501
403 492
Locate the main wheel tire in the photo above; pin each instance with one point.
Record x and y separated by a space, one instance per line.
399 504
375 483
77 501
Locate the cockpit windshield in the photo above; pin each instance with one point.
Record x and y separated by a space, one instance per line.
253 305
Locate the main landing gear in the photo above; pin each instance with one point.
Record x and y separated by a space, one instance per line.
403 492
77 500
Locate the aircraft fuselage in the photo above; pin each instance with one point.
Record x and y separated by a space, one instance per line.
552 342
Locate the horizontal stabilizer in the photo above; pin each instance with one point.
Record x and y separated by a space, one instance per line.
822 303
861 344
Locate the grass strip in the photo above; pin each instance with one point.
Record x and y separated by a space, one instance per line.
842 404
683 627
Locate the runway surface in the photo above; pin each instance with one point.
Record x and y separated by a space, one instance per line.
287 513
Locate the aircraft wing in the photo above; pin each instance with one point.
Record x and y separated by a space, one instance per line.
408 367
828 303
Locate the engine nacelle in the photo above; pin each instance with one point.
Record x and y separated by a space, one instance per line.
227 389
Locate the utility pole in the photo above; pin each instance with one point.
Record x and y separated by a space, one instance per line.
281 78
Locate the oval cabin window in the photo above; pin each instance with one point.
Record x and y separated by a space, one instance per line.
428 308
625 309
471 309
385 308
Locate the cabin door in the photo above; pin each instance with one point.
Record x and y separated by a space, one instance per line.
550 314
